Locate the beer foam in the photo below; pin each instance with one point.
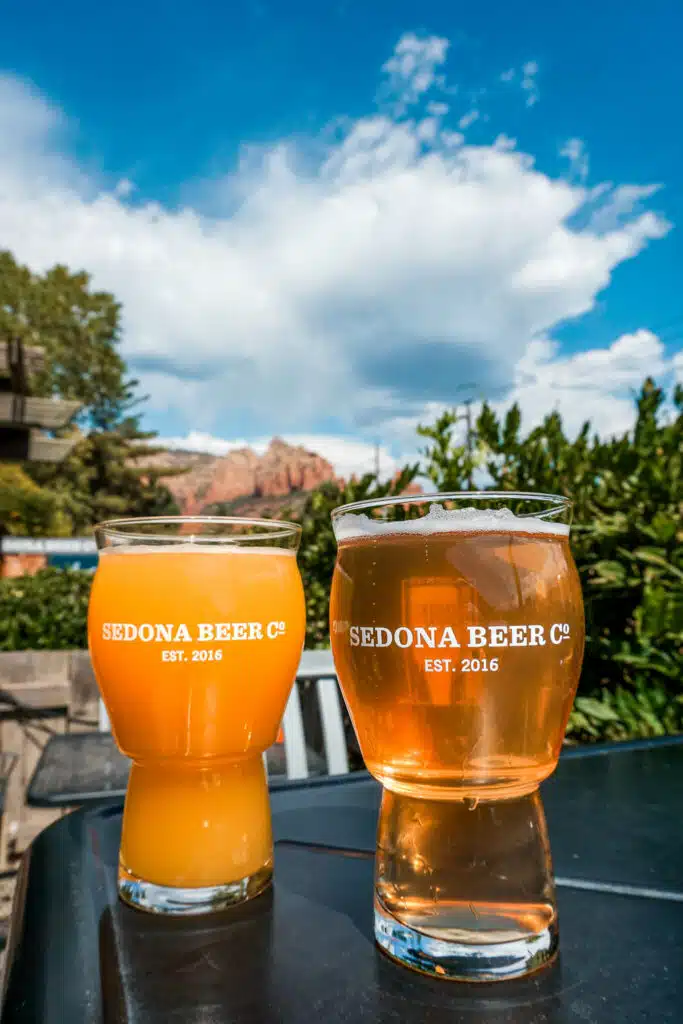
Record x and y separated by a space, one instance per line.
185 548
469 519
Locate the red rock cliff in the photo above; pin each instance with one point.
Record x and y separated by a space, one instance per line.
282 469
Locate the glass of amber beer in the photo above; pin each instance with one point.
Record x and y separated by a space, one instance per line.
457 630
196 627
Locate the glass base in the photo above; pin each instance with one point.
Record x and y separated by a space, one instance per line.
464 961
184 901
464 888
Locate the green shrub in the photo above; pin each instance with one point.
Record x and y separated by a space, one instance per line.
627 540
318 547
26 508
47 611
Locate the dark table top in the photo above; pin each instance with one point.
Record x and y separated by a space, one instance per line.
87 767
305 951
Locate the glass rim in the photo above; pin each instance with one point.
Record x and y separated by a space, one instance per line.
271 528
557 503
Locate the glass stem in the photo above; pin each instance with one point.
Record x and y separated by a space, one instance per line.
197 825
464 888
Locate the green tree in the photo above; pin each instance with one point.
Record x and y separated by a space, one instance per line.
79 330
626 538
105 476
448 465
26 508
318 549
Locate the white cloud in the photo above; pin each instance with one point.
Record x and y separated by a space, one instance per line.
359 280
199 441
574 150
678 367
529 82
411 71
526 79
33 140
27 118
599 385
437 108
468 119
349 457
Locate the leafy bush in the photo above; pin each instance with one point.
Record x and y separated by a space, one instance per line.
318 550
106 475
626 539
26 508
46 611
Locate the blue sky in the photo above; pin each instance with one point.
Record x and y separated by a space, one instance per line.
301 241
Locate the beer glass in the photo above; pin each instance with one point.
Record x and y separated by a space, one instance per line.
457 631
195 627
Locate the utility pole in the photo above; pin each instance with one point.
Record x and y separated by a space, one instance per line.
469 435
468 442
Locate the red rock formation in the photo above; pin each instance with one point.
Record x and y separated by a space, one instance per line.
283 469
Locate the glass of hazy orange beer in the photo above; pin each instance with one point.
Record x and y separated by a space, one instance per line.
196 627
457 630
